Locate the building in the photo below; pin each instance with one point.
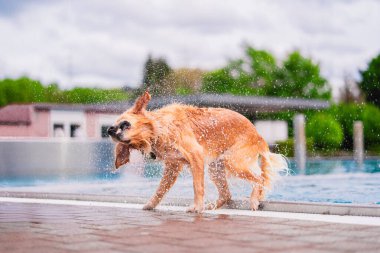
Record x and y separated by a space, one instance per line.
92 121
57 120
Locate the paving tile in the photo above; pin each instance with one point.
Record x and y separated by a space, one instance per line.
233 249
349 246
281 244
294 232
201 243
68 238
158 248
51 228
185 235
87 245
355 234
313 250
252 237
320 238
138 240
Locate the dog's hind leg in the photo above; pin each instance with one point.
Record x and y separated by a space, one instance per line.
218 177
240 167
169 177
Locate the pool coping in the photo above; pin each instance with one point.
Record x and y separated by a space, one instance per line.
275 206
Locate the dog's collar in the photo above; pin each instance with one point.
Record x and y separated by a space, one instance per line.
152 156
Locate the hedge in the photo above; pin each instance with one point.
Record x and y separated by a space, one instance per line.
326 132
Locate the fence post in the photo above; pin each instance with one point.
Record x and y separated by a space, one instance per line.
358 142
299 141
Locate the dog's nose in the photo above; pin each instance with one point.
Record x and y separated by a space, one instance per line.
111 130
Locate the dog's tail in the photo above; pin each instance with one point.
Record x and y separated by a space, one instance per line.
271 166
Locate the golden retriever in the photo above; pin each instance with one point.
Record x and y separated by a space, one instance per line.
182 135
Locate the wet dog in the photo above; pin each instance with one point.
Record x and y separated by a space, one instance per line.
179 135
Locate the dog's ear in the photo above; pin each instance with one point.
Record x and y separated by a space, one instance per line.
141 103
122 154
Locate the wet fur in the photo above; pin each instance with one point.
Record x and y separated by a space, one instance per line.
186 135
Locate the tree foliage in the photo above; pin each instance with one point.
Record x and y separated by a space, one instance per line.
326 132
370 84
230 79
26 90
371 123
155 73
347 114
259 74
184 81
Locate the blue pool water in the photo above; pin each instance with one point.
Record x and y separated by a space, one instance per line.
333 181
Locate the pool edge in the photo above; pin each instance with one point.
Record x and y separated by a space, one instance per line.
275 206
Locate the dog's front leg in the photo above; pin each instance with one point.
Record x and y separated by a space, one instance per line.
194 156
169 177
197 170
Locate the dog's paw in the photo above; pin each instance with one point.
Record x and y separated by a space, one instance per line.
255 204
148 207
211 206
194 209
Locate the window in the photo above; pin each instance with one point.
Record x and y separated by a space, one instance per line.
58 130
75 131
103 131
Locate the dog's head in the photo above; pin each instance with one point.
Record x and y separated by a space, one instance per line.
134 129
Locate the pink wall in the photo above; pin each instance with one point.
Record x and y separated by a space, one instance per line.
39 126
91 124
15 130
41 123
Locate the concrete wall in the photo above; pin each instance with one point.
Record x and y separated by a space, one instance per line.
58 157
39 158
272 130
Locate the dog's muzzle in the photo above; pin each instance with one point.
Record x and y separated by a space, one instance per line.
112 131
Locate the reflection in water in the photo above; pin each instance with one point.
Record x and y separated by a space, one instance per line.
333 181
336 166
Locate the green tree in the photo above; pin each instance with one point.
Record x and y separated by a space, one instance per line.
26 90
346 114
184 81
155 73
259 74
263 66
370 84
232 79
300 77
21 90
326 132
371 123
93 95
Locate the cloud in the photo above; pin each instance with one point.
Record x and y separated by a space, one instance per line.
105 43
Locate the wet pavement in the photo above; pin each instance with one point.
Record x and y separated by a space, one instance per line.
32 227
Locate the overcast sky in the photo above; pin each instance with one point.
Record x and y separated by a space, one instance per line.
105 43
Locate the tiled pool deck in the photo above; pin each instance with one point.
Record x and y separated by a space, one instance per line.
41 227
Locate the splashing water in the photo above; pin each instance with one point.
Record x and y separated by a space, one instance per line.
337 182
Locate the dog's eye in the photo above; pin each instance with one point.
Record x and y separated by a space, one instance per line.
124 125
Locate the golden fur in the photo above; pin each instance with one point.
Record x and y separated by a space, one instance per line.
187 135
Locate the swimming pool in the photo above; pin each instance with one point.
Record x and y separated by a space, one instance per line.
332 181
